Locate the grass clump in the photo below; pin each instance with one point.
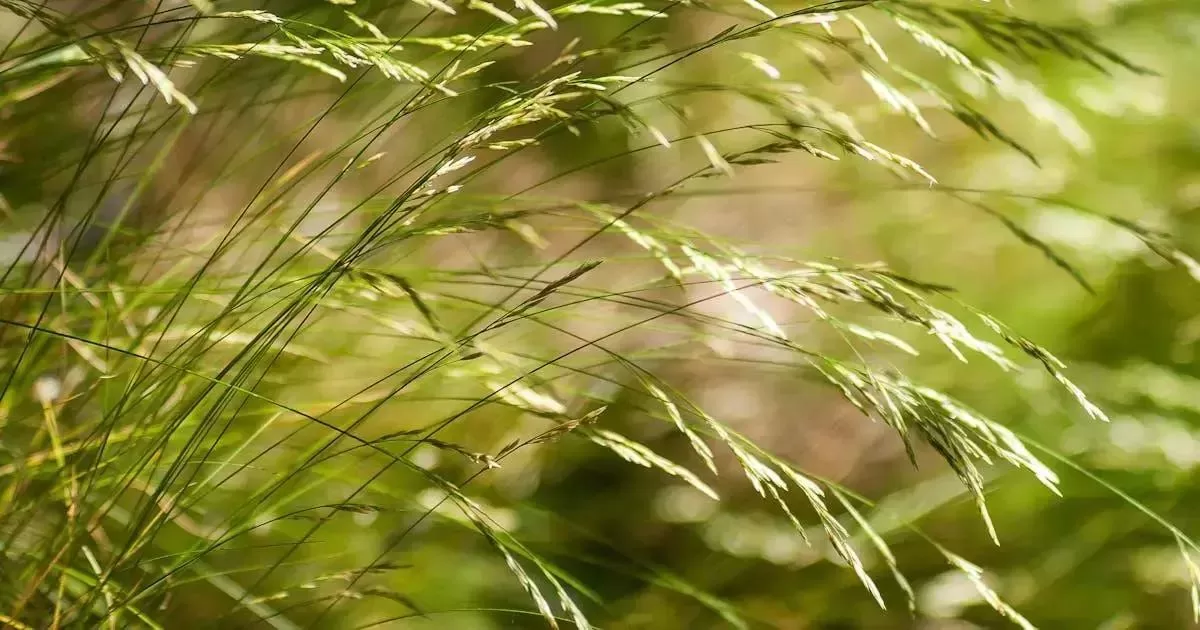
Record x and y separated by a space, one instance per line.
291 287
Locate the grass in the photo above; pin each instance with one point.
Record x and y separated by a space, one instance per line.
282 299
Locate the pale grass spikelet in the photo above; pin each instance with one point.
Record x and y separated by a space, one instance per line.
896 99
702 449
437 5
453 165
761 8
713 269
867 38
257 15
641 455
714 156
150 74
493 10
537 10
976 577
762 64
